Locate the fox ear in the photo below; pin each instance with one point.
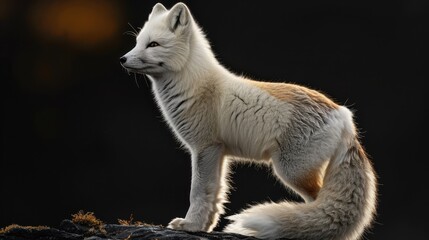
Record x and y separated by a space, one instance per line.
158 8
178 17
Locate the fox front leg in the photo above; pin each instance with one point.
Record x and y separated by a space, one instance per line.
208 189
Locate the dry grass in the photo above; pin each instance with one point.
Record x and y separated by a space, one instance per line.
88 219
131 222
16 226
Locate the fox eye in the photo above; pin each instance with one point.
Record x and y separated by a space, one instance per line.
153 44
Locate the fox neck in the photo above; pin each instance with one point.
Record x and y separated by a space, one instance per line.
177 91
201 66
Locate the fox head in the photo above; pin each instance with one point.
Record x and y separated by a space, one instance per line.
163 43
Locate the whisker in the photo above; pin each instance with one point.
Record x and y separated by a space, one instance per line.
128 71
131 33
145 80
135 31
135 79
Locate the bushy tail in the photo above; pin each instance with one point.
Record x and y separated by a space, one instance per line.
343 209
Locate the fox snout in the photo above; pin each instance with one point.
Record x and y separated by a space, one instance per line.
129 61
123 60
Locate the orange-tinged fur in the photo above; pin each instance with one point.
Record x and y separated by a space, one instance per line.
291 92
310 183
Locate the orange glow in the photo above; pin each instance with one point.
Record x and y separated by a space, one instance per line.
85 23
5 9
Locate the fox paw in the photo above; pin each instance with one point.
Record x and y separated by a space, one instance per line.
186 225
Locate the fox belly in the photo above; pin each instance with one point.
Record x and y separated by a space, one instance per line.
250 124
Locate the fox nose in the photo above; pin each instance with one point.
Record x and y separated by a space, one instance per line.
122 60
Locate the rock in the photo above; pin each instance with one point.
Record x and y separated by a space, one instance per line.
70 230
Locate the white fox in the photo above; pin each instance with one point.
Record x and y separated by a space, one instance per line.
310 142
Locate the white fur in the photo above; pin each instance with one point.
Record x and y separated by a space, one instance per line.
218 116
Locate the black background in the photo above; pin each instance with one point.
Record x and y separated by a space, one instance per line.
79 134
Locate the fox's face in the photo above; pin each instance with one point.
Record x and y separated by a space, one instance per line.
162 44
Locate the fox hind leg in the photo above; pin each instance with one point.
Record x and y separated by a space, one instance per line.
303 173
301 166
